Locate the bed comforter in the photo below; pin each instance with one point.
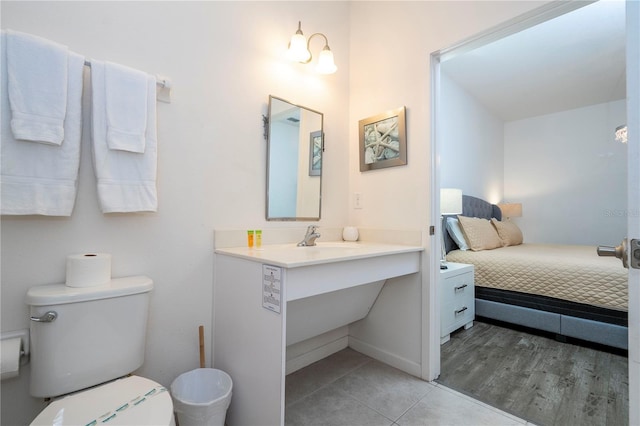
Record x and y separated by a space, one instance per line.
567 272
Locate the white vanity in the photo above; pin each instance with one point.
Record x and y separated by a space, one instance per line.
280 295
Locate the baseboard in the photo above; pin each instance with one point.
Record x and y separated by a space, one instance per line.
316 354
393 360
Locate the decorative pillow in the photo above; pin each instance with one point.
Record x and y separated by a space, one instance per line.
508 232
454 230
479 233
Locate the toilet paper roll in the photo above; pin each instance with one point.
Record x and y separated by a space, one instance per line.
10 358
88 270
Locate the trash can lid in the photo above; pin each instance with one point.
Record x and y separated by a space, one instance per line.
132 400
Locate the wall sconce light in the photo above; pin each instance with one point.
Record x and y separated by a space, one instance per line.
621 133
299 52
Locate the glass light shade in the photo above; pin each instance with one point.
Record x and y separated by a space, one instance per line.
450 201
621 134
325 62
298 48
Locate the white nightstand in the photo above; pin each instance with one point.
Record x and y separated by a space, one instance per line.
457 299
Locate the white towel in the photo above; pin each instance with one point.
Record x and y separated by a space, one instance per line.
39 178
126 180
37 85
126 104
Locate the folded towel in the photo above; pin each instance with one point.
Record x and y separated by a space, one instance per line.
126 104
126 180
37 86
39 178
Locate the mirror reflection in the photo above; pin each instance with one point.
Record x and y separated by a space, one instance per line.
294 161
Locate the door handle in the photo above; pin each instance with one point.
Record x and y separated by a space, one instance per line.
619 251
635 253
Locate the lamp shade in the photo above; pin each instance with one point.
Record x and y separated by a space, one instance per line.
325 62
450 201
298 48
511 209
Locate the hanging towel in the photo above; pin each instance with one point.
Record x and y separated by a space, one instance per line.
39 178
126 105
37 85
126 180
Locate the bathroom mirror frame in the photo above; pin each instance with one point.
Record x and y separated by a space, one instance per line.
298 176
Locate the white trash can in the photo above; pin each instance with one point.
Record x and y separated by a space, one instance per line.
201 397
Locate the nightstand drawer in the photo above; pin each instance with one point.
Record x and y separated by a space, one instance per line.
455 316
457 298
458 289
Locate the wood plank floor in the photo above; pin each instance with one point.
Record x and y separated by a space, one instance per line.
537 378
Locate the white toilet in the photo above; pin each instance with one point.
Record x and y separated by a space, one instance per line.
84 343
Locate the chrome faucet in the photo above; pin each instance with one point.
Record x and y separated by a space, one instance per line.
310 238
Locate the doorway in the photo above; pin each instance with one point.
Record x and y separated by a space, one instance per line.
469 47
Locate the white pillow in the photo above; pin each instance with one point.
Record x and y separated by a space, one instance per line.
453 227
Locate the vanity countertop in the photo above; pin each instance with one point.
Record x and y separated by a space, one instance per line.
292 256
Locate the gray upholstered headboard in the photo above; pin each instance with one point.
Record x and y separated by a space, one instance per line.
472 207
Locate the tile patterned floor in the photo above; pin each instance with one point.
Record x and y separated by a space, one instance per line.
351 389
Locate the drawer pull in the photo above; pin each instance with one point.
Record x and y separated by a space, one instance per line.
460 287
458 312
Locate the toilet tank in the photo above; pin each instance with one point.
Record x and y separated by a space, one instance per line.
98 334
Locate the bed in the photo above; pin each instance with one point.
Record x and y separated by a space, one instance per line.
567 290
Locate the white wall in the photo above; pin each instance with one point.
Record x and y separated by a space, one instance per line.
224 59
472 149
390 46
569 174
391 43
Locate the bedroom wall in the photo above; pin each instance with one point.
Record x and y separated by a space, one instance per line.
472 150
569 174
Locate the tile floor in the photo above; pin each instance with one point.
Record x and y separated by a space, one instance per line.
349 388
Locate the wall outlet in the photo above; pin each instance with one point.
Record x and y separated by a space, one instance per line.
357 200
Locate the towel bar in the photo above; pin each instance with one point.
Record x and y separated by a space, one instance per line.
163 83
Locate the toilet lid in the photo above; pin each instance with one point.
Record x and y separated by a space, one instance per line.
132 400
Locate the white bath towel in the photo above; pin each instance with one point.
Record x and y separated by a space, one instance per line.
37 85
126 180
126 105
39 178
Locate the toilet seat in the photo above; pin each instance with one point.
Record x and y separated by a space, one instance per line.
132 400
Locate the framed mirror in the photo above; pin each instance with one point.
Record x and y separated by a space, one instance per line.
294 161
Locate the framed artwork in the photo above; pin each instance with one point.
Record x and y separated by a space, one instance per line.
383 140
315 153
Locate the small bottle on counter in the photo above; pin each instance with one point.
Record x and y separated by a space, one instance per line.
250 238
258 238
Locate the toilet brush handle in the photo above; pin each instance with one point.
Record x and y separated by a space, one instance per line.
201 337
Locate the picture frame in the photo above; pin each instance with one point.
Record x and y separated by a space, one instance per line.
315 153
383 140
